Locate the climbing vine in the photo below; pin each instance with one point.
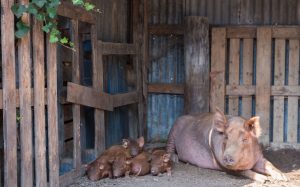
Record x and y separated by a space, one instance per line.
46 11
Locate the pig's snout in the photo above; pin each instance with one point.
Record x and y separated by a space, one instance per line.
228 160
154 171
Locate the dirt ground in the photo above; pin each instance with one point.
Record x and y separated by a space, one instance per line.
186 175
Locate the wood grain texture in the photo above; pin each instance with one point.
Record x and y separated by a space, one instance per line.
166 88
25 106
160 29
279 74
196 59
263 87
9 98
39 104
109 48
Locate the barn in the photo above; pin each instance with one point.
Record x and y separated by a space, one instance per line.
136 66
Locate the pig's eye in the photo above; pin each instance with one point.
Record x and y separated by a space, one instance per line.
226 137
245 140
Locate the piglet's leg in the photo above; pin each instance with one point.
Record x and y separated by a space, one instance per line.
265 167
254 176
169 173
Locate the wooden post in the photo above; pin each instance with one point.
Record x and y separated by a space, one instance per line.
39 104
196 58
9 99
25 107
52 114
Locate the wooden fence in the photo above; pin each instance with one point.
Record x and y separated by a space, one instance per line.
255 71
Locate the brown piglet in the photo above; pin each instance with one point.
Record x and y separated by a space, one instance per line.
160 162
135 146
140 164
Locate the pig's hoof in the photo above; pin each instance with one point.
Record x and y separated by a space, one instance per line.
174 158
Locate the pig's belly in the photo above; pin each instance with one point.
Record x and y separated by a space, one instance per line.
190 150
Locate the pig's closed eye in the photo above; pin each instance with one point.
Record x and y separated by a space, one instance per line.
245 140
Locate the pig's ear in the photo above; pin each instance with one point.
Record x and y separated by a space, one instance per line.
219 121
253 126
125 143
128 162
111 159
141 141
166 157
101 167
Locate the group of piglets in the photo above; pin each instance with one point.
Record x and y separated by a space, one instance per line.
130 158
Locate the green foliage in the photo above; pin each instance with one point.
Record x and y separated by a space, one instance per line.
45 11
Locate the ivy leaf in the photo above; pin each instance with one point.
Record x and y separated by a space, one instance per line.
18 10
78 2
51 12
71 44
54 35
40 16
32 9
22 29
47 27
89 6
54 3
39 3
53 38
64 40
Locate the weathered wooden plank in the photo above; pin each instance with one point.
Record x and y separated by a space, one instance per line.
25 106
52 114
217 11
234 64
166 29
166 88
9 98
125 99
209 11
234 12
236 90
217 94
286 90
275 12
247 75
258 12
279 72
286 32
98 86
196 59
76 107
247 12
68 10
241 32
263 87
266 12
39 104
109 48
293 79
248 90
86 96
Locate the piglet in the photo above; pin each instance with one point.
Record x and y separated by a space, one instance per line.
160 162
135 146
140 164
121 165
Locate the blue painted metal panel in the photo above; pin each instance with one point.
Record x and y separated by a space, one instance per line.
166 66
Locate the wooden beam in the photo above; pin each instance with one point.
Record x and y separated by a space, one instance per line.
241 32
9 100
25 98
286 91
166 29
39 104
83 95
125 99
236 90
69 10
108 48
286 32
196 59
166 88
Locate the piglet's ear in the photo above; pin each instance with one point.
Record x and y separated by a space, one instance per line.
166 157
141 141
219 121
125 143
253 126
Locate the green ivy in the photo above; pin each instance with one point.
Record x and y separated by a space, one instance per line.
46 11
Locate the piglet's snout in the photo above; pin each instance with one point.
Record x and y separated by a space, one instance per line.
228 160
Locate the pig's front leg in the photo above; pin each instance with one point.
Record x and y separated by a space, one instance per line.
265 167
254 176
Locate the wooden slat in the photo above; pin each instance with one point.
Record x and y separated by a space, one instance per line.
68 10
52 114
166 88
247 75
278 117
217 93
241 32
98 86
39 104
86 96
234 60
292 101
285 90
263 72
76 107
248 90
286 32
236 90
9 101
25 107
109 48
166 29
125 99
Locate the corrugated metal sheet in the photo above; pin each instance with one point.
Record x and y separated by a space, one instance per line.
219 12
